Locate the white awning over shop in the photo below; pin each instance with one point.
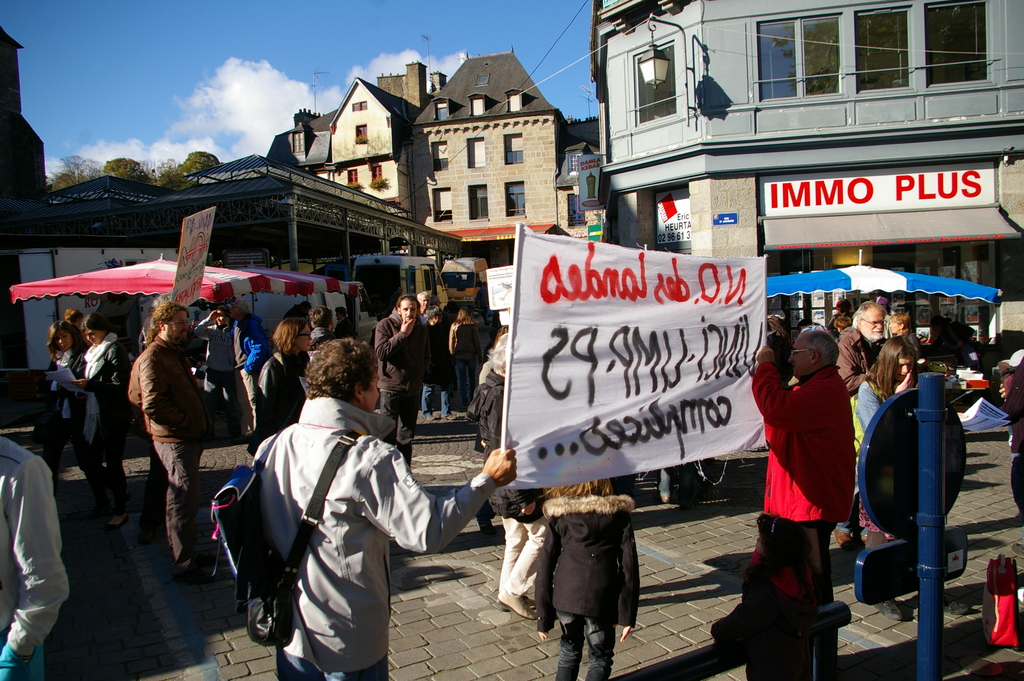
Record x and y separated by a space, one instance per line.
881 229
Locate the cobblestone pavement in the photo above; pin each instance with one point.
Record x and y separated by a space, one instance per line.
126 619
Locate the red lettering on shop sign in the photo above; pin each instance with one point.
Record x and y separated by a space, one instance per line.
942 186
799 198
826 196
921 193
904 183
869 190
970 179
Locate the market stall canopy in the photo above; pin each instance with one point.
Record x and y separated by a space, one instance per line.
865 278
290 283
144 279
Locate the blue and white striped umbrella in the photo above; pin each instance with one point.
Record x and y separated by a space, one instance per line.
864 278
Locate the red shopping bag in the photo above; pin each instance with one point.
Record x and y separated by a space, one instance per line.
999 607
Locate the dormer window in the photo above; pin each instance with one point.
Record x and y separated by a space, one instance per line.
476 105
298 145
441 110
574 163
515 101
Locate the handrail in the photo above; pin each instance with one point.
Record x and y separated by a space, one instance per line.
708 661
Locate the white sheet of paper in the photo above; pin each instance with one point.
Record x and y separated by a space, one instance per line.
983 415
63 377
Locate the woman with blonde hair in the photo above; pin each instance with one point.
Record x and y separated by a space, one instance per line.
464 344
280 393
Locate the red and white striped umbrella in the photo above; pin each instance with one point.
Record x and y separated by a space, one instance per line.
146 278
291 283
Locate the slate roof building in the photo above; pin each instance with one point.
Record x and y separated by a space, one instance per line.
364 142
490 151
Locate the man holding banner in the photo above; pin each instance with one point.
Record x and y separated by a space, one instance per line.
810 438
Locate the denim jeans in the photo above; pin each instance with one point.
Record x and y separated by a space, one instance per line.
684 479
291 668
1017 484
467 373
600 638
220 388
428 400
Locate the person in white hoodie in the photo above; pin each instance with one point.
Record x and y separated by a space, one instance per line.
31 571
341 601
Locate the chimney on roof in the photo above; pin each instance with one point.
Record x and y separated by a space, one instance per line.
303 117
416 87
437 81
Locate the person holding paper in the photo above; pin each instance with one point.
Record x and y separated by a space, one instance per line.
67 351
107 413
1013 390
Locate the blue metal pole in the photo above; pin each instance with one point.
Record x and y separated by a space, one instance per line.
931 524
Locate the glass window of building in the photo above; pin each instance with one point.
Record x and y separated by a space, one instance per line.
361 134
882 54
957 48
515 102
799 58
478 202
574 163
376 171
513 149
353 176
483 79
439 152
476 106
575 215
475 156
442 205
656 101
359 106
515 199
440 111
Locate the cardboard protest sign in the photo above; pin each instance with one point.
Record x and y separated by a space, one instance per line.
625 360
195 243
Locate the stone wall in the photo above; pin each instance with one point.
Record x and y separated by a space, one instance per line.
734 195
1011 199
537 171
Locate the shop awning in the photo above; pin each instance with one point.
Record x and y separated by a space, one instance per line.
495 233
881 229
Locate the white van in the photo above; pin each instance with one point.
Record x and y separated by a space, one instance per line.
271 307
384 275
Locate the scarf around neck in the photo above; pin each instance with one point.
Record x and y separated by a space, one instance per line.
93 362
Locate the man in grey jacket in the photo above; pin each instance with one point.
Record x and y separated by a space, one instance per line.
31 571
402 346
342 601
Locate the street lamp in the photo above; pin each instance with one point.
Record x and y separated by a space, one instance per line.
653 63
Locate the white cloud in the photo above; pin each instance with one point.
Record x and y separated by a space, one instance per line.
240 109
387 63
234 113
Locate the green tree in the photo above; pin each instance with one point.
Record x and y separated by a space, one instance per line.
73 170
128 169
196 161
168 174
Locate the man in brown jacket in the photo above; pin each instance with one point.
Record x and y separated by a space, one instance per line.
175 415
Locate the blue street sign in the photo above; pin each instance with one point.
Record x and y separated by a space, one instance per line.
725 219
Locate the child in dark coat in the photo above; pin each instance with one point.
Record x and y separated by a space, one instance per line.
588 575
779 606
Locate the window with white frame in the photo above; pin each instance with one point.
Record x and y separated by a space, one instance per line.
513 149
478 202
515 101
476 106
441 110
656 101
442 205
515 199
798 58
574 164
439 152
475 154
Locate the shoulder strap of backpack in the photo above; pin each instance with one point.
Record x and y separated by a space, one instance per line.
311 517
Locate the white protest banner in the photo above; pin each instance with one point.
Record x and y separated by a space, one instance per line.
625 360
195 242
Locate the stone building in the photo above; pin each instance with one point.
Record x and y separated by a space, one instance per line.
22 170
363 143
489 151
820 134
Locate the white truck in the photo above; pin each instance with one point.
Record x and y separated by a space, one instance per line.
463 278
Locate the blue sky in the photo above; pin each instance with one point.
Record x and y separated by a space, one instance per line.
153 80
